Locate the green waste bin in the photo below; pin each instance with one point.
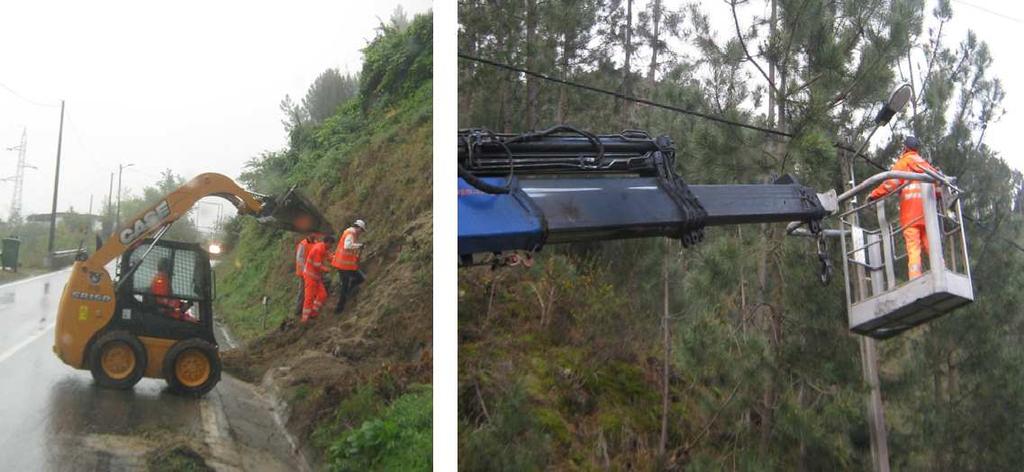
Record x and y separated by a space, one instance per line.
9 258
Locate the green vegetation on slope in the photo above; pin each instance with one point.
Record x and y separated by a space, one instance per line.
393 437
371 159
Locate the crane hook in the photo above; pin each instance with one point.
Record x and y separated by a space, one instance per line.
825 263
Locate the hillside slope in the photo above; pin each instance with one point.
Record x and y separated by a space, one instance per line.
354 378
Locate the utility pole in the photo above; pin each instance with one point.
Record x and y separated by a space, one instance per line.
869 359
120 169
110 202
56 184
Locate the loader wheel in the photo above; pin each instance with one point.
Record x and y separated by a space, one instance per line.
192 367
117 360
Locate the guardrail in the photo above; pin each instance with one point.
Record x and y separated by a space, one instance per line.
60 259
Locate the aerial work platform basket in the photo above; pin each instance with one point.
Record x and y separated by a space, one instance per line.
881 300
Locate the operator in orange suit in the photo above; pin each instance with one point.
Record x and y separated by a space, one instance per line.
160 287
911 203
301 249
313 275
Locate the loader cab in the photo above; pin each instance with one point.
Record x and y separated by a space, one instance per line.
169 295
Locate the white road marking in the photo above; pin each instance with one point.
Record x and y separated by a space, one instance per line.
17 347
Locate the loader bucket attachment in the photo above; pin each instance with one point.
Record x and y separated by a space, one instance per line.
293 212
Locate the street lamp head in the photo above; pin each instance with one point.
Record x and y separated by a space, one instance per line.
896 103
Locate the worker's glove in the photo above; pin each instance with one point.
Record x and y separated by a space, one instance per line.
871 198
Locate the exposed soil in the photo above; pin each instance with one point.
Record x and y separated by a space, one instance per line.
383 338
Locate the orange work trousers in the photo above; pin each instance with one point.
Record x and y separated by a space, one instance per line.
916 239
314 294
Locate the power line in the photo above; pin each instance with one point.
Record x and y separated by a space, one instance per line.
627 97
29 100
991 12
647 102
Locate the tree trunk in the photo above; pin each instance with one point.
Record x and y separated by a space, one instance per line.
532 84
768 396
568 52
652 69
771 68
938 461
666 339
801 465
466 102
627 89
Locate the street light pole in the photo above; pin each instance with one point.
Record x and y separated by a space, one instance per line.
56 184
120 169
110 203
868 348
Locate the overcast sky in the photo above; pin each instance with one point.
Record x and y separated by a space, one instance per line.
189 86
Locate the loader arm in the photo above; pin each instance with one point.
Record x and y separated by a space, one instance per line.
177 203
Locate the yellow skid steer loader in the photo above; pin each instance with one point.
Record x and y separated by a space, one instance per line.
156 319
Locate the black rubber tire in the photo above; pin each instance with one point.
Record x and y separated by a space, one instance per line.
207 349
141 360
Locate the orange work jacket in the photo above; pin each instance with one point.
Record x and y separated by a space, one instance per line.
911 199
315 261
346 259
161 289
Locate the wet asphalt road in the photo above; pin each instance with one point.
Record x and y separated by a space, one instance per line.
53 417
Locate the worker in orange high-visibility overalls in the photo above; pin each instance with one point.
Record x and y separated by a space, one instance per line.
346 260
301 249
160 287
911 203
315 293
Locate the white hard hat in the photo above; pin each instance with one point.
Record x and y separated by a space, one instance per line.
361 224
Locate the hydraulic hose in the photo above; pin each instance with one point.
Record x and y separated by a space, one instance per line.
480 185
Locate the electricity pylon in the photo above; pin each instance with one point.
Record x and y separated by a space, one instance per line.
19 177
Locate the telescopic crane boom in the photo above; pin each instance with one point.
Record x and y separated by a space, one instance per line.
520 193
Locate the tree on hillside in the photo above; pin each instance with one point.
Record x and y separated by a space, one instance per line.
295 114
399 20
329 90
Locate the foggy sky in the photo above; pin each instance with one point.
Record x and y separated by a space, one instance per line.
189 86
